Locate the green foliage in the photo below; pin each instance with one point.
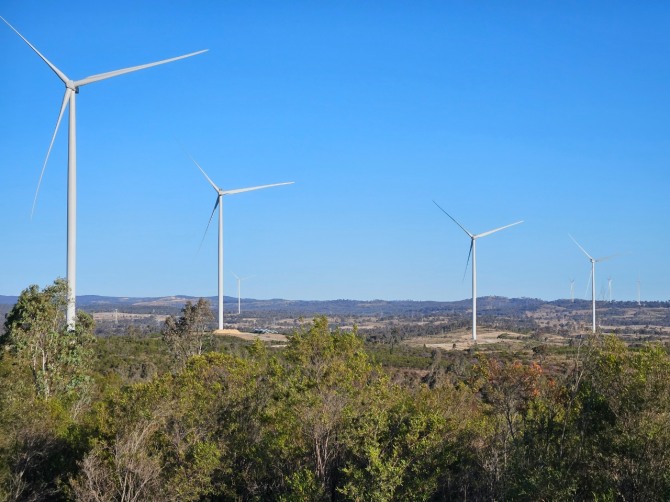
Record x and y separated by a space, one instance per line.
400 356
404 444
190 334
37 335
626 416
123 359
39 446
320 419
44 386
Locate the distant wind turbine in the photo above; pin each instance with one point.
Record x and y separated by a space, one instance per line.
71 90
638 291
593 278
239 297
473 252
609 286
572 290
219 203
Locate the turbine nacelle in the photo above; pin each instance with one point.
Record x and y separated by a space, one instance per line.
592 278
219 204
473 253
476 236
71 89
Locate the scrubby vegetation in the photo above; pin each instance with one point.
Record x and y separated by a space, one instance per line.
327 417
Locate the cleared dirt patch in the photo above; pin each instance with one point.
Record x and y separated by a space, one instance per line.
462 339
265 337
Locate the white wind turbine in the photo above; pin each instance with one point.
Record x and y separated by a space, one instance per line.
638 291
219 203
572 290
473 252
71 90
593 278
609 286
239 297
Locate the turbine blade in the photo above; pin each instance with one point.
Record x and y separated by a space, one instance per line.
468 262
208 178
605 258
580 247
66 99
235 276
116 73
60 74
588 285
218 198
454 220
240 190
497 229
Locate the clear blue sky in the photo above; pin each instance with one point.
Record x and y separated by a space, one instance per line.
551 112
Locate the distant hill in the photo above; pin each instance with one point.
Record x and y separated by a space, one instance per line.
170 304
489 305
528 313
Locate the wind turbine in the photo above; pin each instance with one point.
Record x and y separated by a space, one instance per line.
71 90
593 278
239 297
638 292
473 252
572 290
219 203
609 286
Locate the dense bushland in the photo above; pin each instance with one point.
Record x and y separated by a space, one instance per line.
320 419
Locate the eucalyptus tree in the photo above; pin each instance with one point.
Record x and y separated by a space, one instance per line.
36 333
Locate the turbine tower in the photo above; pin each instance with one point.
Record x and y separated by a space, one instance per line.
572 290
219 203
71 90
609 286
473 252
239 297
593 278
638 292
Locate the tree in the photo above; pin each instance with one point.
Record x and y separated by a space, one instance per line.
44 381
625 419
37 334
189 335
177 437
